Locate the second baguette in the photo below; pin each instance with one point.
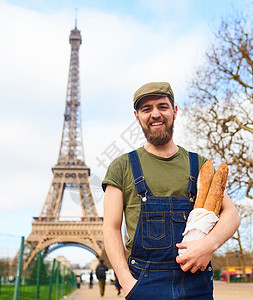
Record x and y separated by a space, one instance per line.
216 191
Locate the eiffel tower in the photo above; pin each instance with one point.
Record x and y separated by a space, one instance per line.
49 231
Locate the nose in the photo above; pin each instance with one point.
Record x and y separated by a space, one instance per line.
155 113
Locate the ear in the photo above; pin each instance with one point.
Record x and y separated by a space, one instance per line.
175 111
136 116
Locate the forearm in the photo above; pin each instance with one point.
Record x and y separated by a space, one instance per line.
224 229
116 253
113 214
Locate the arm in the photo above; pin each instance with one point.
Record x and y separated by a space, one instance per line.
199 253
113 214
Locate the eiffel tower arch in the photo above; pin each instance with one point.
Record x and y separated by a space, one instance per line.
49 230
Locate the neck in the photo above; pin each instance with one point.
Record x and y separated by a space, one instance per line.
165 151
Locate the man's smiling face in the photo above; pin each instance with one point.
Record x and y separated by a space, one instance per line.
156 116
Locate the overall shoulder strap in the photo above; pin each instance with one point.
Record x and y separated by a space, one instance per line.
194 171
137 173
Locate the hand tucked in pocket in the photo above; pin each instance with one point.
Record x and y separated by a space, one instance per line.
128 284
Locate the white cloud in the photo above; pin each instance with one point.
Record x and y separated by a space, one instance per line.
29 70
117 55
126 54
27 151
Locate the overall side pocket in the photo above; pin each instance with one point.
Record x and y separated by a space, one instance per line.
208 277
138 275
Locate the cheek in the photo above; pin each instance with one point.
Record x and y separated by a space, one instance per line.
142 119
170 117
141 122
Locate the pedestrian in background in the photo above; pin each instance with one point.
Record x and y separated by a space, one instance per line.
117 285
101 276
78 282
91 280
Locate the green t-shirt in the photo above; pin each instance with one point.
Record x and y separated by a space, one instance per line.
164 176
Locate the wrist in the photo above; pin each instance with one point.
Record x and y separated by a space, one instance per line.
125 277
211 243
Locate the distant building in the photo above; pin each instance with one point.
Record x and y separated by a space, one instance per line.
94 263
64 261
75 267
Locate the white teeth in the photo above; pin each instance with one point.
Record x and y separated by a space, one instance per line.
158 123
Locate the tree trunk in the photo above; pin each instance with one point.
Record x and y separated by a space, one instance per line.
242 260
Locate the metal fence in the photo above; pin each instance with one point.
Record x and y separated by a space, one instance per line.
45 278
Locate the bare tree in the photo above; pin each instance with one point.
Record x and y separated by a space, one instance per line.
220 104
244 235
220 108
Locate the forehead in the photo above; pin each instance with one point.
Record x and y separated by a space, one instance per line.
153 100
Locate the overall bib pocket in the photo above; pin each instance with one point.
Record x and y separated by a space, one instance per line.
179 219
156 230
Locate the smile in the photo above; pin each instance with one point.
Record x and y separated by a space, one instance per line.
157 124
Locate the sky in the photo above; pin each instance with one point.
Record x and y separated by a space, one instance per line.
124 44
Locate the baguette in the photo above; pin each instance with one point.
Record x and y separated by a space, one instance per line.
216 192
218 207
203 183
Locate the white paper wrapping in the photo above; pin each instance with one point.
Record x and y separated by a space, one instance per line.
199 223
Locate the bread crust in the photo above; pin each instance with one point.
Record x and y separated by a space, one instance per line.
216 192
204 181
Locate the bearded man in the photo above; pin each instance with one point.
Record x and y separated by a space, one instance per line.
155 187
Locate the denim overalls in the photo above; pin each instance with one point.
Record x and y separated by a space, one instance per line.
160 226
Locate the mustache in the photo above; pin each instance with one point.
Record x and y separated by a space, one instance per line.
160 119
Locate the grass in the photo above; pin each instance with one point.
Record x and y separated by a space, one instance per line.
27 292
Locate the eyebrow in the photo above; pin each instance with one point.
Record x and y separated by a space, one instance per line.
164 103
145 105
159 104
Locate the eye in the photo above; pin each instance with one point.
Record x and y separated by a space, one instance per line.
164 107
145 109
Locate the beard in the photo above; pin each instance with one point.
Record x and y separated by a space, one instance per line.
159 138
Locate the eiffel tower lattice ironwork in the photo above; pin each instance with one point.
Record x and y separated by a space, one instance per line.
49 231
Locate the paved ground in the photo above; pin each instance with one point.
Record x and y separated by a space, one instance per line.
222 291
84 293
233 291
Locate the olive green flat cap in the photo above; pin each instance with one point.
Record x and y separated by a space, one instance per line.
153 88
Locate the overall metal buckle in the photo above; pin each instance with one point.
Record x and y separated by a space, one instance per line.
139 179
143 198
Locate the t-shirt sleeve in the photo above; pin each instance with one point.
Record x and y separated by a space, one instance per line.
202 160
114 174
